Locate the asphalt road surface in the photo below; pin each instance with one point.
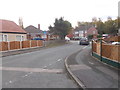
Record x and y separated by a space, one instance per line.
39 69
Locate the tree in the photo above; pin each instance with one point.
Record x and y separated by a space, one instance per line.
61 27
94 21
100 26
111 26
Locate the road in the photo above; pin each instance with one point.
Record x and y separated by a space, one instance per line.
40 69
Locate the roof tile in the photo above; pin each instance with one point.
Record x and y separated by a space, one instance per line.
10 26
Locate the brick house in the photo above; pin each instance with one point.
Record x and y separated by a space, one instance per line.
10 31
91 31
85 31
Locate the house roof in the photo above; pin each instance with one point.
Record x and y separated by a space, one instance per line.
92 28
32 29
7 26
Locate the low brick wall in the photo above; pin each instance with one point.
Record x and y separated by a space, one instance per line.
4 46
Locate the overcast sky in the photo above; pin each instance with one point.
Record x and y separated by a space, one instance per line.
44 12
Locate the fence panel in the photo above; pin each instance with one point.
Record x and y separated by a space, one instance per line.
40 43
98 50
110 51
14 45
115 39
94 47
25 44
3 46
19 45
34 43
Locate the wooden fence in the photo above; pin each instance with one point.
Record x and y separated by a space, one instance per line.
4 46
114 38
109 51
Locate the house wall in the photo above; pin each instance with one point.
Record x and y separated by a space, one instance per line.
12 37
33 35
92 32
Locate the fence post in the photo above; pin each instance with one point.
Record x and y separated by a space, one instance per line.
92 47
101 50
37 43
20 44
30 43
8 45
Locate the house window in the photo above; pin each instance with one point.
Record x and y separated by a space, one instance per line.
1 38
93 32
5 38
18 38
22 38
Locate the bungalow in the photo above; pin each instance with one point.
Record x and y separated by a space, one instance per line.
10 31
33 32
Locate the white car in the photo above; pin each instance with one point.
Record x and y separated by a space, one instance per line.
67 38
116 43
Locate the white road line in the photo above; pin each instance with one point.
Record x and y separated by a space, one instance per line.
59 59
30 70
54 62
26 75
84 47
91 63
10 81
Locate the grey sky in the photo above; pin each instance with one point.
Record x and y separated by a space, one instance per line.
44 12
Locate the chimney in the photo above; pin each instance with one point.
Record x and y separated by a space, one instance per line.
39 26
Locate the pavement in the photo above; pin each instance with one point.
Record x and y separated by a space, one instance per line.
88 72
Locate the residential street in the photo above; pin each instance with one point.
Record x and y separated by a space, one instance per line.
40 69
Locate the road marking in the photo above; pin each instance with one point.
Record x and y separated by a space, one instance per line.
59 59
91 63
84 47
10 81
26 75
53 62
31 70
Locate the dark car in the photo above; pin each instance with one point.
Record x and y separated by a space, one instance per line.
84 41
38 39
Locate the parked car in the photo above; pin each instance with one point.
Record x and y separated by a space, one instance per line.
67 38
84 41
38 39
115 43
